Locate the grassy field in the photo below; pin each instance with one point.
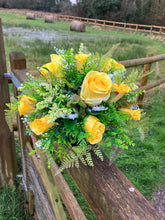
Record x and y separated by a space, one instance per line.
144 164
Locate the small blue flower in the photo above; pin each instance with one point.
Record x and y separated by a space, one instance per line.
73 116
134 107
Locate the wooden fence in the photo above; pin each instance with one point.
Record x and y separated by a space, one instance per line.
104 186
151 29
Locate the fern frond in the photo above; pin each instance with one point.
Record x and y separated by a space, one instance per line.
98 153
83 160
10 114
70 160
109 54
89 159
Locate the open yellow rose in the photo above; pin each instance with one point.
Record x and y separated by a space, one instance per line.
53 67
81 60
96 88
112 64
56 58
95 129
135 114
42 125
26 105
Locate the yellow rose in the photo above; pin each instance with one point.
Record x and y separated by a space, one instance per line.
112 64
42 125
56 58
135 114
81 60
122 88
95 129
53 67
26 105
96 88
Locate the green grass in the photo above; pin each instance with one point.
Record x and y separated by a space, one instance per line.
12 199
131 45
144 164
12 204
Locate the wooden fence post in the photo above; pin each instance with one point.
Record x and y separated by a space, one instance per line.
151 30
18 62
8 164
160 32
136 29
144 78
125 26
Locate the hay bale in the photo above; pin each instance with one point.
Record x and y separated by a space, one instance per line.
49 19
30 16
77 26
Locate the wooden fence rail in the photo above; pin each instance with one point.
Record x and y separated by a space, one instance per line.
104 186
151 29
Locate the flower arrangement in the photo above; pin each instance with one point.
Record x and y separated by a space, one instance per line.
80 101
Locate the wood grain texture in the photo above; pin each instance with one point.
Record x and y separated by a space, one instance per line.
8 164
142 61
106 189
43 178
144 79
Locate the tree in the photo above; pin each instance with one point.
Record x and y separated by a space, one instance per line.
100 9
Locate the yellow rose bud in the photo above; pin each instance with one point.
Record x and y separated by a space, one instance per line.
135 114
42 125
95 129
96 88
112 64
122 88
26 105
81 60
54 67
56 58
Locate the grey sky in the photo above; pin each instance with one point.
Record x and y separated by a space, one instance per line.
73 1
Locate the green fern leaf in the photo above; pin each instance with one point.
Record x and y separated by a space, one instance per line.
89 159
83 160
98 153
10 114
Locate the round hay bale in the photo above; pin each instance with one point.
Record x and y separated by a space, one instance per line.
77 26
30 16
49 19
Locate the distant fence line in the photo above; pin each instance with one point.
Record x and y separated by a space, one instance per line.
152 29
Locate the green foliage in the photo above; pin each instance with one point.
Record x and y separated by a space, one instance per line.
10 113
79 154
99 9
58 99
12 203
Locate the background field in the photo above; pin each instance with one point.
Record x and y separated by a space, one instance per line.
144 164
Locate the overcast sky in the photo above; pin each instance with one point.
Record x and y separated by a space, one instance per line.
73 1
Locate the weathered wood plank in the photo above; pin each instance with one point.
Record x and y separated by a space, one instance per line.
144 79
66 194
8 164
106 189
142 61
152 85
31 202
46 184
